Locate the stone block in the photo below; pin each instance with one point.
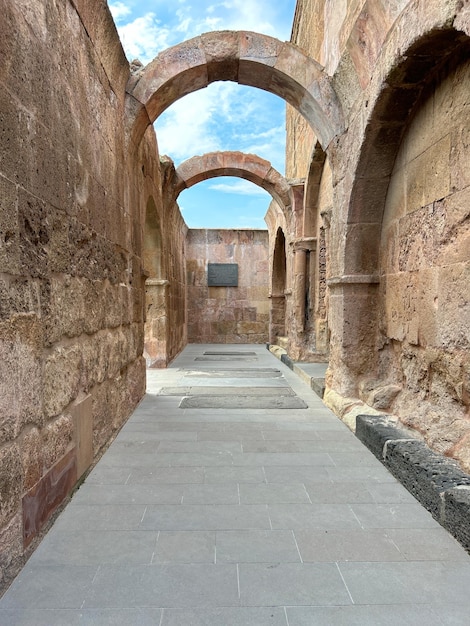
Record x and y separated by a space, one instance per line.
83 434
40 502
31 457
453 311
11 482
457 513
33 234
62 371
375 432
428 176
21 389
11 550
57 438
9 231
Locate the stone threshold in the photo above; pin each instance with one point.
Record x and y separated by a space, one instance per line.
436 481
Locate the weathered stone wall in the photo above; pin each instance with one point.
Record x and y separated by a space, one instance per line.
228 314
425 264
71 307
164 263
396 233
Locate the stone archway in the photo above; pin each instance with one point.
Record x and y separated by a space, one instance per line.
247 166
245 57
414 56
277 326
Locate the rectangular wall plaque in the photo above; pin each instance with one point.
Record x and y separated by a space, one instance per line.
222 274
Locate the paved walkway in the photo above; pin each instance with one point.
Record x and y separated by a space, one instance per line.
240 517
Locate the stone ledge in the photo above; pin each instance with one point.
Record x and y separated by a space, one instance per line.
435 481
317 384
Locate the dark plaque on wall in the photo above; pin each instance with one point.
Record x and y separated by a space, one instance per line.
222 274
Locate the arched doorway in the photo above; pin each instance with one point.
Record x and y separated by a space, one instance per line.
278 294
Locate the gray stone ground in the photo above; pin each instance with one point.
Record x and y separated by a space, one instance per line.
240 517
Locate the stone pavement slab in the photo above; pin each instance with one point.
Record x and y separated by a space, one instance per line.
240 516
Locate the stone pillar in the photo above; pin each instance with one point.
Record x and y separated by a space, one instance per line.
277 325
353 324
156 323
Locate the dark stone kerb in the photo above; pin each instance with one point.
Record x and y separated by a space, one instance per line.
435 481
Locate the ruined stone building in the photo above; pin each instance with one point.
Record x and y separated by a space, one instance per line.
366 264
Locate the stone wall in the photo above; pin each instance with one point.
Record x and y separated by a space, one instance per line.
396 230
425 265
71 283
228 314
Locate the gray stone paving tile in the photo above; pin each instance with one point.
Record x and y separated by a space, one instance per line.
185 547
288 459
40 617
346 545
376 473
430 545
120 617
241 616
101 475
293 445
144 434
95 517
299 474
384 493
400 515
171 585
211 494
233 475
291 435
303 516
132 459
167 475
256 546
328 492
384 615
452 615
291 584
408 582
208 517
49 587
242 437
273 494
355 459
200 447
127 494
95 548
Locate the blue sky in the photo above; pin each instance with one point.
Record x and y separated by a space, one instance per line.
225 116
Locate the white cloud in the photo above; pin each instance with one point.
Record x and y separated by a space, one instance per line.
119 10
186 128
144 37
240 187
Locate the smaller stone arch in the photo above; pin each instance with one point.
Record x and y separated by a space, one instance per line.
247 166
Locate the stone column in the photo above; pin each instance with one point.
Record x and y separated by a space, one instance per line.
353 325
301 276
156 323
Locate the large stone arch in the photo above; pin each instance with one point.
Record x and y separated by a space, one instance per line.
247 166
420 45
240 56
